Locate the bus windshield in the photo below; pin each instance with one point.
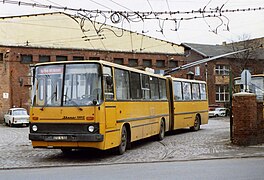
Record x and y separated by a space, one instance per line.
67 85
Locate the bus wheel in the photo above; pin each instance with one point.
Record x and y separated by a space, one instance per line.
197 124
161 134
123 144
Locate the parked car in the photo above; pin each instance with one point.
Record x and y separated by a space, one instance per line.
218 112
16 116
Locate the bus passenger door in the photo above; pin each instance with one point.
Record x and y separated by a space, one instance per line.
110 106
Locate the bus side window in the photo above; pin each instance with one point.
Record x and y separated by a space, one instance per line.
162 88
136 92
187 91
177 90
145 87
195 91
108 83
154 88
122 84
203 91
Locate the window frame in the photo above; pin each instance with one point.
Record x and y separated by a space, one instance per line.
24 60
219 93
222 69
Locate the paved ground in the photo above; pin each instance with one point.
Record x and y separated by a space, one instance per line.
212 141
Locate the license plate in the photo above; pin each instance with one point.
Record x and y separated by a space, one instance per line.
60 137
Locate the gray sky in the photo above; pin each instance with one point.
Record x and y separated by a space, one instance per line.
230 27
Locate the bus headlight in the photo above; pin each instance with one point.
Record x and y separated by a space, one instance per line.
34 128
91 128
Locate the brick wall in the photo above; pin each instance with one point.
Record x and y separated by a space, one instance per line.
248 123
4 79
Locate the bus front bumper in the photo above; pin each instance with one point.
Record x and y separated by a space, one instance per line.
66 137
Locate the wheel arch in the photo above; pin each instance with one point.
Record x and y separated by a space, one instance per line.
200 117
128 128
164 120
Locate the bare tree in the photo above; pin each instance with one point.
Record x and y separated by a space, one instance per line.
247 56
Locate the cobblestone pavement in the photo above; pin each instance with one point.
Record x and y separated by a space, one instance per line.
212 141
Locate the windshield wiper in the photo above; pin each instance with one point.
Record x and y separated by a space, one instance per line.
54 94
70 100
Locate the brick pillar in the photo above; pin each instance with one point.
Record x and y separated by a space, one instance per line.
260 121
244 130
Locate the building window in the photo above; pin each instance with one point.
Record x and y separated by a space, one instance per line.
77 58
44 58
1 57
222 93
173 64
147 62
94 58
133 62
61 58
222 69
26 58
197 71
160 63
119 60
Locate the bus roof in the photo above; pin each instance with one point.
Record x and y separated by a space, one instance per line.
107 63
187 80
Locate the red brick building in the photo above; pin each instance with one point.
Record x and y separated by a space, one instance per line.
218 72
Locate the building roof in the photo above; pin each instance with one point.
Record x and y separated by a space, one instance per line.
215 50
60 30
208 50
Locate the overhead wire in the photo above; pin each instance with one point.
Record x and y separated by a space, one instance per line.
130 16
146 13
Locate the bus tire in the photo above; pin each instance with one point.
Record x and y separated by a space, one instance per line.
124 141
161 134
197 124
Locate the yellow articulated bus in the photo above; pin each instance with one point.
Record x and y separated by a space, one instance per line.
98 104
189 105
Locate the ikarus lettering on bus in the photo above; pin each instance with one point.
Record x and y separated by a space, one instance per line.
74 117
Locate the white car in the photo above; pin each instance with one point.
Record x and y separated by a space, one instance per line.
16 116
218 112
